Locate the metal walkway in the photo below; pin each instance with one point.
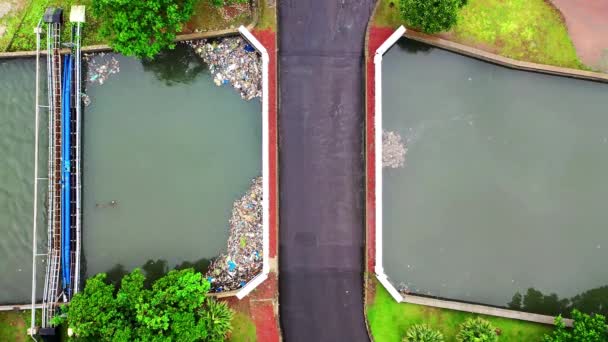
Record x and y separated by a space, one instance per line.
63 207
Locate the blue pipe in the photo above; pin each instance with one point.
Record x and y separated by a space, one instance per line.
65 173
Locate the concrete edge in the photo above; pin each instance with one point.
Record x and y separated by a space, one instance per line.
483 310
378 268
257 280
504 61
366 273
19 307
179 38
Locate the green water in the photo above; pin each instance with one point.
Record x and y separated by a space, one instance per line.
172 149
504 186
17 85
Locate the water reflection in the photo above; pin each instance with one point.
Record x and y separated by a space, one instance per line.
412 46
180 65
594 301
155 269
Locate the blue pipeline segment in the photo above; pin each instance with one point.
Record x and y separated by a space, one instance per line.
65 171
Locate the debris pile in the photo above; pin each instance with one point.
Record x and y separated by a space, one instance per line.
393 150
232 61
100 66
243 259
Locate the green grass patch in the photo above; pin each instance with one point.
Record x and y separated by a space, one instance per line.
527 30
14 325
267 18
390 320
12 20
23 38
243 329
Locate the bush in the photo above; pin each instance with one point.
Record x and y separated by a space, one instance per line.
422 333
175 308
587 328
141 28
431 15
477 330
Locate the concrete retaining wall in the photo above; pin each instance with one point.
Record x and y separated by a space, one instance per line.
505 61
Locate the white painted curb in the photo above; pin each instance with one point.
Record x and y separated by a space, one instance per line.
265 167
379 269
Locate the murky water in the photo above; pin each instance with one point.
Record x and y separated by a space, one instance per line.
173 151
161 140
17 85
504 186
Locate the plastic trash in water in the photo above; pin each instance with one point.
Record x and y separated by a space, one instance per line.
231 266
249 48
242 283
226 82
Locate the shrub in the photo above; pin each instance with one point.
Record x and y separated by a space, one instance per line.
477 330
141 28
431 15
422 333
175 308
587 328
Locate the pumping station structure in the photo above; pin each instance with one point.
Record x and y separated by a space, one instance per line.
63 202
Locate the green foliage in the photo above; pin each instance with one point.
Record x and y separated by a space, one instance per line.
586 328
142 28
175 308
477 330
389 320
422 333
431 15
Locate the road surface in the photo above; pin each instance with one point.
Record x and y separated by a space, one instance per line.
321 174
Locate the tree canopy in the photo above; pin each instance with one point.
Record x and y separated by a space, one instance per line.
142 28
175 308
431 16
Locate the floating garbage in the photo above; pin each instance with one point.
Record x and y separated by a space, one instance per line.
232 61
100 67
243 259
393 150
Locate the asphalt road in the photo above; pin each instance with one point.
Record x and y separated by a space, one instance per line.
321 171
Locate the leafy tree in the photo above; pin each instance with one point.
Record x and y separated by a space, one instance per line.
431 15
586 328
141 28
477 330
175 308
422 333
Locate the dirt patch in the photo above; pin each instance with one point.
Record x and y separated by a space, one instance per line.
587 24
2 30
229 13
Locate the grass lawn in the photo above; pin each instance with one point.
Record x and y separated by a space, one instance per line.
267 18
389 320
243 329
528 30
20 36
14 324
